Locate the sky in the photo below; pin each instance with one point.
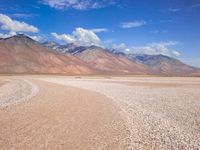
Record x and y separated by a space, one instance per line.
169 27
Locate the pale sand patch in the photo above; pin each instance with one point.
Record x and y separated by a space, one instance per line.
61 117
15 91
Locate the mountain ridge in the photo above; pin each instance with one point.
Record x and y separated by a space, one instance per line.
158 64
22 54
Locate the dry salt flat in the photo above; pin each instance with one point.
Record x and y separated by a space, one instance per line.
54 112
160 113
15 91
59 117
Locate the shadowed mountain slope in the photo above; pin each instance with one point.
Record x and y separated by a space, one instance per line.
165 65
107 61
114 60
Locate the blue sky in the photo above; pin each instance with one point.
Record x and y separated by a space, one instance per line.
170 27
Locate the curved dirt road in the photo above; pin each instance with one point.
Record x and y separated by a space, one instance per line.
61 117
161 113
102 113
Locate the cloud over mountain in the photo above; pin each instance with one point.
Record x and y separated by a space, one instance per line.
121 47
80 36
8 24
163 48
13 27
158 48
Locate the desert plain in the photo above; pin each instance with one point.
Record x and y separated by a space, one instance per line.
99 112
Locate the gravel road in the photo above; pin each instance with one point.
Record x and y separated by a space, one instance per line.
58 117
161 113
119 113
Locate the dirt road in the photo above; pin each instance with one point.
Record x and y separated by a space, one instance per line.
101 113
60 117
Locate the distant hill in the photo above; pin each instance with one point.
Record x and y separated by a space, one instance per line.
21 54
102 59
165 65
153 64
107 61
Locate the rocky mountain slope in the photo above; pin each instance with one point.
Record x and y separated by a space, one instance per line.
112 60
165 65
107 61
21 54
102 59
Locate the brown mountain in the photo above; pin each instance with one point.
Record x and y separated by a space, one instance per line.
116 61
109 62
21 54
165 65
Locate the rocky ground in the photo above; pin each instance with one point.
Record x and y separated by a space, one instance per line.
103 113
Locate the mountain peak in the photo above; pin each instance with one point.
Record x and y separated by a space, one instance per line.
21 35
19 38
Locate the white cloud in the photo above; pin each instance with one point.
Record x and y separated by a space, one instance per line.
36 38
174 9
64 37
81 37
133 24
22 15
13 27
158 31
8 24
121 47
78 4
11 33
195 5
97 30
150 49
158 48
184 8
4 35
176 53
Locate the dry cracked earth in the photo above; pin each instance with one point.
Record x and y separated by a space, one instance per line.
119 113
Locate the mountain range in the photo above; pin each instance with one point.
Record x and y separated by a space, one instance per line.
21 54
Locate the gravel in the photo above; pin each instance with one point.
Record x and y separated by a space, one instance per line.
157 117
16 91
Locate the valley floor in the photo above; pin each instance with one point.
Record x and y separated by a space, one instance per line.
58 112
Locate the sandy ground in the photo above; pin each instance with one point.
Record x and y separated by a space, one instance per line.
58 112
14 91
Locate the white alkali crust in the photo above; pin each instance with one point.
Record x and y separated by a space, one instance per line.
16 91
